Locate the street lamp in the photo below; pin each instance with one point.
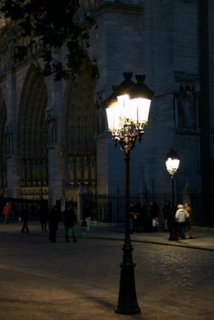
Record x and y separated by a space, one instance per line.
127 114
172 164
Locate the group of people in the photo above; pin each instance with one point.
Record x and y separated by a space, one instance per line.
48 217
179 218
148 218
69 220
144 217
8 213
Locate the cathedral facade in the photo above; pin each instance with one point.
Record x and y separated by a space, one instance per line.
54 140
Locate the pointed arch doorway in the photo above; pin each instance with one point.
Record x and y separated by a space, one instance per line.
80 134
32 137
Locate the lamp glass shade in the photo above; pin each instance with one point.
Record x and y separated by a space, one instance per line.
140 108
172 165
125 110
114 116
110 118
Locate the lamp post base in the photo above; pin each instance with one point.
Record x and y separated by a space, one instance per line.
127 301
127 309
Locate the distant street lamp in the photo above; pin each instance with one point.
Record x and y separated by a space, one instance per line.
172 164
127 114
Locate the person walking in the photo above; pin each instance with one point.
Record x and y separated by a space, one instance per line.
25 217
181 216
155 215
70 220
148 217
53 220
88 216
7 212
43 217
167 214
188 208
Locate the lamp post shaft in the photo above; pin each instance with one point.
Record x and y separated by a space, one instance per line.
172 165
127 300
127 196
173 233
173 192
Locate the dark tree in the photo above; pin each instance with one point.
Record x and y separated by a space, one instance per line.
53 24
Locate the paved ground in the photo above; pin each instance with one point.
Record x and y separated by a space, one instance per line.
79 281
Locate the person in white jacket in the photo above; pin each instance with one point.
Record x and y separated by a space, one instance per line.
181 217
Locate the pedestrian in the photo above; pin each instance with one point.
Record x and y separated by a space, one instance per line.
43 217
148 217
25 217
167 214
53 220
181 216
88 216
70 220
7 212
137 222
155 214
188 208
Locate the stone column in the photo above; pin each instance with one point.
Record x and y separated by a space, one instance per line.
13 178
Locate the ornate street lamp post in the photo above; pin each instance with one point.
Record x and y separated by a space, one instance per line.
172 164
127 114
